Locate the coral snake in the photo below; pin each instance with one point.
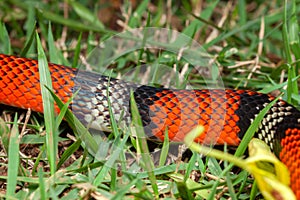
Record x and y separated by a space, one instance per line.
225 114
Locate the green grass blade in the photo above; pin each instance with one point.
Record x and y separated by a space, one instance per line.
5 46
184 191
230 187
68 152
122 191
190 167
252 129
77 51
48 105
29 41
79 129
38 159
64 108
42 184
290 83
4 134
164 150
294 32
203 18
118 145
242 10
30 26
285 36
52 49
13 160
290 31
138 13
85 14
142 143
118 148
55 56
72 23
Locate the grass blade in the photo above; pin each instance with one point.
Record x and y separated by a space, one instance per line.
29 41
42 184
252 129
4 37
77 51
13 161
164 150
142 143
85 14
68 152
48 105
71 23
78 128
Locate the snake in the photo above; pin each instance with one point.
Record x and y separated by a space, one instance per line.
225 114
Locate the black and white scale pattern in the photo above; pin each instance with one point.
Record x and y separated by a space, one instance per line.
274 124
91 105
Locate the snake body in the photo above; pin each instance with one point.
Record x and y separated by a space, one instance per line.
225 114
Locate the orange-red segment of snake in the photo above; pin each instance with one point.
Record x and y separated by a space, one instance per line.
290 156
20 86
181 111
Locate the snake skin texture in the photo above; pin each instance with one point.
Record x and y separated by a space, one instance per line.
225 114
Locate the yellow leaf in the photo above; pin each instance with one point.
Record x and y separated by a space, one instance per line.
271 175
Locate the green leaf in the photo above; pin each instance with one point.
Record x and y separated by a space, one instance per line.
260 163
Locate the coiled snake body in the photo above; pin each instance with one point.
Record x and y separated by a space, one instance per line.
225 114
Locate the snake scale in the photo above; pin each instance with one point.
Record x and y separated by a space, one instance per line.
225 114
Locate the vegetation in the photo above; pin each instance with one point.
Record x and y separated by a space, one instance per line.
223 44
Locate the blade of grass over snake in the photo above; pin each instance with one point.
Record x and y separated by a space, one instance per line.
48 105
142 143
118 146
252 129
63 109
164 150
79 129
